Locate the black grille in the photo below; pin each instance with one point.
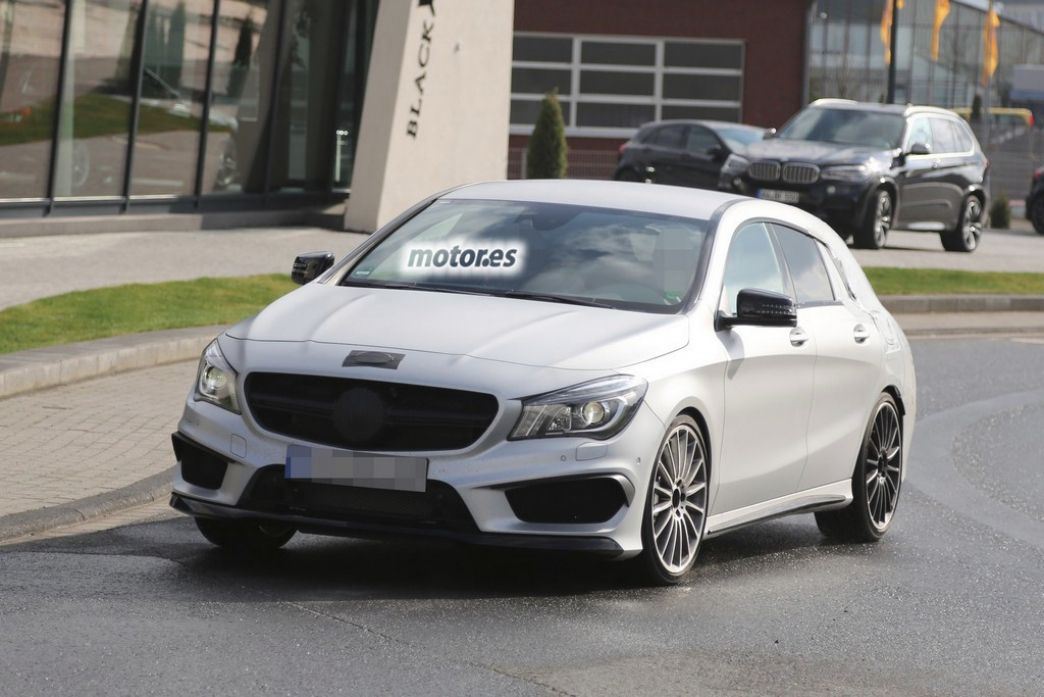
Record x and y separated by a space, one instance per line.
593 500
199 466
764 170
439 507
800 173
367 414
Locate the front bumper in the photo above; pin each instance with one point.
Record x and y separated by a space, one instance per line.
482 477
841 204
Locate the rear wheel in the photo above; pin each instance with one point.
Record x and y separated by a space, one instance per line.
248 536
676 506
965 237
875 483
873 233
1036 213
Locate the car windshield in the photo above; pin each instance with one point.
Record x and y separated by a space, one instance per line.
541 251
737 138
871 129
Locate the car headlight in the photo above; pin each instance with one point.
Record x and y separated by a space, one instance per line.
734 165
847 173
597 409
216 380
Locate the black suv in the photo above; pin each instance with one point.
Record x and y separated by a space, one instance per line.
1035 201
866 168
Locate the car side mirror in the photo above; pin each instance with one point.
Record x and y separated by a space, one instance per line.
920 149
761 308
716 152
770 133
308 267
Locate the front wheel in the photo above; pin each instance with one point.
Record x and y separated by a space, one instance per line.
875 483
965 237
248 536
1036 213
873 232
676 505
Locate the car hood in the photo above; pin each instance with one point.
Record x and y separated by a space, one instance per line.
813 151
525 332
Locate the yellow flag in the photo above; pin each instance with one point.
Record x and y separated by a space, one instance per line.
989 37
886 27
942 9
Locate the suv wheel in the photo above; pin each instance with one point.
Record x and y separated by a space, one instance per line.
965 237
873 233
1036 213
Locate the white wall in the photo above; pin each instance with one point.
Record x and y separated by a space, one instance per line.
437 104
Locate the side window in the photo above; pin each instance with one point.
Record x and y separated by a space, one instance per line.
700 140
964 137
943 137
807 270
752 262
920 132
672 137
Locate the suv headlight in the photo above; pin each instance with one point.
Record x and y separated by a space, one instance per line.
216 380
846 173
597 409
734 166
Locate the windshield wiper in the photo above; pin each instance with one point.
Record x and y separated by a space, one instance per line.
398 285
552 298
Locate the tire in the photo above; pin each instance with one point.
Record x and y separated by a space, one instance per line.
873 232
965 237
876 481
245 536
1036 213
681 516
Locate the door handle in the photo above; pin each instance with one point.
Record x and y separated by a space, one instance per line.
936 164
798 336
860 333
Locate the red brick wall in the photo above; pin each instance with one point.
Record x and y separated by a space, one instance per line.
773 32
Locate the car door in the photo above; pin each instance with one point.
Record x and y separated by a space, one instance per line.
700 162
665 152
768 383
950 171
916 188
847 362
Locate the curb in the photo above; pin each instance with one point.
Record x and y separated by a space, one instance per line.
147 490
920 304
27 371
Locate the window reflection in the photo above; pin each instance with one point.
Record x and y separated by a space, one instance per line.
30 46
96 103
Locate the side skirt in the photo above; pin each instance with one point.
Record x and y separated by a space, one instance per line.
822 498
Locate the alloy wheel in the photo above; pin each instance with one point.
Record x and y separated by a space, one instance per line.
883 465
971 222
882 218
679 499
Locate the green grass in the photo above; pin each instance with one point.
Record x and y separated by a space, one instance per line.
105 312
892 281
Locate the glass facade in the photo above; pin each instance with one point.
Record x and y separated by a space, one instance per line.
194 101
847 55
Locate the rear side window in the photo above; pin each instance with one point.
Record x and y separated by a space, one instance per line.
670 137
943 137
964 136
807 270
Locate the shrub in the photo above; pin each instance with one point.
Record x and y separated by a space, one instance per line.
546 155
1000 213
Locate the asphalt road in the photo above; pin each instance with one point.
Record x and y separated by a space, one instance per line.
951 602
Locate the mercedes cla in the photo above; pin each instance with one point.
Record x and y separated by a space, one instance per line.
604 367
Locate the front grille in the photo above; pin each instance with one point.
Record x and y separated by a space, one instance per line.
796 173
439 507
367 414
764 170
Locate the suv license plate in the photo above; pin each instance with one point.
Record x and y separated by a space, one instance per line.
777 195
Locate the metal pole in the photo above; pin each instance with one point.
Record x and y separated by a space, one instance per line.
208 97
59 111
137 73
991 40
892 44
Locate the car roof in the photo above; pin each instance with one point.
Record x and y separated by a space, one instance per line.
709 123
898 109
699 204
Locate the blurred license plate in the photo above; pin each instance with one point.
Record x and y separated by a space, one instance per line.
350 468
777 195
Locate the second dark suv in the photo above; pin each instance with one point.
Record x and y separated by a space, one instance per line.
866 168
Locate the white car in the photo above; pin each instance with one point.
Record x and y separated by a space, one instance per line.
606 367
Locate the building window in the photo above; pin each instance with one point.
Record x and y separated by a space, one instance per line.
610 86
